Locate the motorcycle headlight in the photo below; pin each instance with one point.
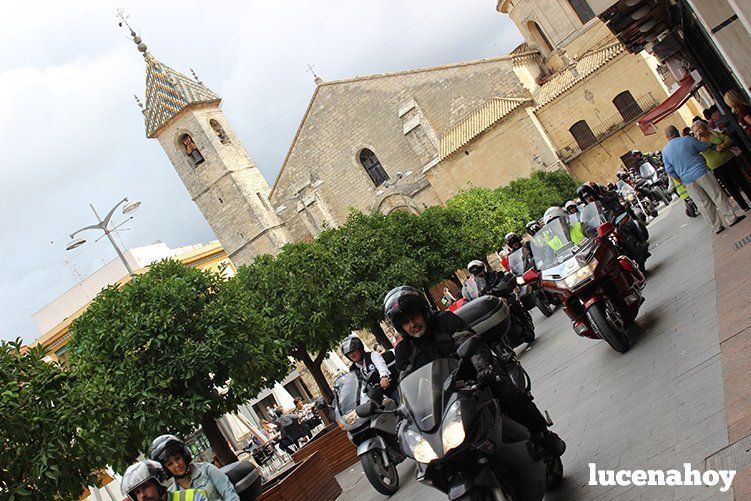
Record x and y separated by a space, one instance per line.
453 428
580 275
520 280
420 448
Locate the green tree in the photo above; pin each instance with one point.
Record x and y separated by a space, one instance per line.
302 294
173 348
50 442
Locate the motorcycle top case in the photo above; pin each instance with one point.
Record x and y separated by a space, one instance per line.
484 313
241 474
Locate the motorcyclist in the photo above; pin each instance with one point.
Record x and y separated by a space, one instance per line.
533 227
514 242
429 336
573 226
175 458
142 481
632 239
364 364
571 207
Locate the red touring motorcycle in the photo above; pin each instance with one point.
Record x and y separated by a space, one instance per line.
600 287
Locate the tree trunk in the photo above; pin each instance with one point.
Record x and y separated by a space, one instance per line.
217 440
381 336
314 367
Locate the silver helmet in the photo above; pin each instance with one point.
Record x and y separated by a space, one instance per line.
139 474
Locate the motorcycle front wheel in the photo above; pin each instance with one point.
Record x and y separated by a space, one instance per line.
542 304
608 323
384 479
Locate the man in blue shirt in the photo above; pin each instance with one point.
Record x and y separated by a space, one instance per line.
683 162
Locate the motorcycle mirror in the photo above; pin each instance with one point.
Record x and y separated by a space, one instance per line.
605 229
468 348
531 275
366 410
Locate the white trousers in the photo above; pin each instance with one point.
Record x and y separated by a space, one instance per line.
706 190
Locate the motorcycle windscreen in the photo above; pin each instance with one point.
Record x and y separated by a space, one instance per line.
423 392
348 390
518 261
593 215
552 245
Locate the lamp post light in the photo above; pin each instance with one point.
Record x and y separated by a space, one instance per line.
103 225
395 184
313 185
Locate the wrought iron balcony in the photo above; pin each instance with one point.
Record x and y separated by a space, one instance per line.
608 127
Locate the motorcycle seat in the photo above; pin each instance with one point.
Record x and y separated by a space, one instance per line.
484 313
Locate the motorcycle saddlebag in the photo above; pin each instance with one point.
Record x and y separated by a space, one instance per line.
485 313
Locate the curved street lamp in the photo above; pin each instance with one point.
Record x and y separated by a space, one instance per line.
395 184
103 225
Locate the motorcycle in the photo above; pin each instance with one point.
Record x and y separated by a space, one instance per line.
374 436
531 295
522 328
601 288
462 443
642 207
657 183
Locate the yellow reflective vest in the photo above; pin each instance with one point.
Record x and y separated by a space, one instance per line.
188 495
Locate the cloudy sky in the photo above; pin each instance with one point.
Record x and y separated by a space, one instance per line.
71 134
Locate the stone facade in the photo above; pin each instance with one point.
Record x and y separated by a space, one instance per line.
226 185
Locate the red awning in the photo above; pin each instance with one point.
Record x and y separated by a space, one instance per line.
677 99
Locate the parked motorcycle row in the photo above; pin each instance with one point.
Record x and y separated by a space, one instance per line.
450 424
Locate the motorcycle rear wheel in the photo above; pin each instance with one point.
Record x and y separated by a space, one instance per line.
384 479
607 322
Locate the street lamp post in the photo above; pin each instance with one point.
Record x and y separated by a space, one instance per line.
298 196
395 184
103 225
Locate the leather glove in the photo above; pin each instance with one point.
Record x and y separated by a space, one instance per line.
486 375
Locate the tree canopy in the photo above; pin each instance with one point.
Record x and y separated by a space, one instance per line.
49 447
174 347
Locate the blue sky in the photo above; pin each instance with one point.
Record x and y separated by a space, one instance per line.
71 134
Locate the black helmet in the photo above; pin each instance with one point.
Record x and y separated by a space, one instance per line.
351 344
533 227
512 239
165 446
401 302
584 191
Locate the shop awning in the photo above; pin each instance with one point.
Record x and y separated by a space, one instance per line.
685 90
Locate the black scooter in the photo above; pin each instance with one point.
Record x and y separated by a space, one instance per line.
462 442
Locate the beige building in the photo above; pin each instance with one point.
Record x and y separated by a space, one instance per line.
569 97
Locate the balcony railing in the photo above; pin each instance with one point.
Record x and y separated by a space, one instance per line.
608 127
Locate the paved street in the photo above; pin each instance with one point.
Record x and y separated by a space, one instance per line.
658 406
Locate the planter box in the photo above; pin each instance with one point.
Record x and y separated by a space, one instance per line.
333 446
308 480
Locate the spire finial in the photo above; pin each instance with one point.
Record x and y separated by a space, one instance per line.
192 72
318 80
136 39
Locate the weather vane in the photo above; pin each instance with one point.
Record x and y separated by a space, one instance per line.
136 39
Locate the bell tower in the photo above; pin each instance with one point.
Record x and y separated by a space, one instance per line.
185 117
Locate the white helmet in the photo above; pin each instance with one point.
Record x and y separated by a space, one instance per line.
139 474
569 204
476 264
552 213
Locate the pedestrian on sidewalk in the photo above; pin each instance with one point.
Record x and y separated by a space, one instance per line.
683 161
723 163
741 107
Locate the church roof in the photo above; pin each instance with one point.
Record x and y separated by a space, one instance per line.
476 122
168 92
563 80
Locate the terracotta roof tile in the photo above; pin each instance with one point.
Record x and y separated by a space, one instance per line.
560 82
476 122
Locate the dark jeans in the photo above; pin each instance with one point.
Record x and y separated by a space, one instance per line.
517 405
731 178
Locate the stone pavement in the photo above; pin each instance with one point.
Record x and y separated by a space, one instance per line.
732 255
660 405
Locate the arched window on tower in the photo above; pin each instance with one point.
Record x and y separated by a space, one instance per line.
583 10
583 134
539 37
191 150
373 167
627 106
219 131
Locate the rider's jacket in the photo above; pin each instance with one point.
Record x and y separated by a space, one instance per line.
371 362
209 479
188 495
